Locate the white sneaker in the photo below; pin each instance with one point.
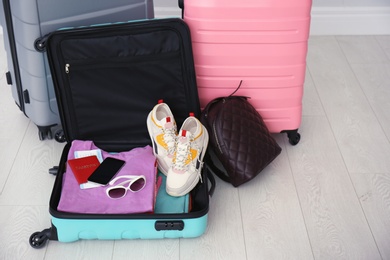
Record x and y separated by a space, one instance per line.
191 146
162 130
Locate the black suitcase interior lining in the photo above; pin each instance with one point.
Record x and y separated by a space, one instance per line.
108 78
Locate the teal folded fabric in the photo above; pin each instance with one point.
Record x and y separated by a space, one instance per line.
166 203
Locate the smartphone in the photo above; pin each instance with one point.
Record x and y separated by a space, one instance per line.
106 170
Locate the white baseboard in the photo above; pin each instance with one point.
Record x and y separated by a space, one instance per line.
331 20
350 20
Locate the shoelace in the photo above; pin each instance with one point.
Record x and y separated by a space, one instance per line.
170 138
182 152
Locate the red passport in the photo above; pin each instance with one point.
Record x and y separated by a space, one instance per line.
83 167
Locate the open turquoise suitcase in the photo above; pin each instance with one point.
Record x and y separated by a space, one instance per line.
138 63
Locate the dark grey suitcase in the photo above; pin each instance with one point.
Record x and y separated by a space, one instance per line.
24 21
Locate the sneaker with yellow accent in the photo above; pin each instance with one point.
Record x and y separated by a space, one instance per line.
191 146
162 130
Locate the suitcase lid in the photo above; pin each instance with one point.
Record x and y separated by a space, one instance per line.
108 78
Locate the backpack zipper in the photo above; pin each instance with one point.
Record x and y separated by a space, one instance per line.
216 138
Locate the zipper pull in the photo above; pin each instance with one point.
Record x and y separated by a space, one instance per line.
67 66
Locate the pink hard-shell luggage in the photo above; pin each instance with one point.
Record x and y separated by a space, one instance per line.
263 43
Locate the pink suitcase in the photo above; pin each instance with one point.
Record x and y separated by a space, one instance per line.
261 42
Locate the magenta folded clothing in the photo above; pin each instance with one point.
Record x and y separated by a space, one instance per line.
139 161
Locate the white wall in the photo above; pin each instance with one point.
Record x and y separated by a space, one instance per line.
350 17
329 17
355 3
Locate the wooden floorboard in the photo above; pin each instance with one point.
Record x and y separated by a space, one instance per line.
334 219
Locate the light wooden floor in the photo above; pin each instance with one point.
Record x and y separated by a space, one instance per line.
326 198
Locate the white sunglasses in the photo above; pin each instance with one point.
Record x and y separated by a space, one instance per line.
134 183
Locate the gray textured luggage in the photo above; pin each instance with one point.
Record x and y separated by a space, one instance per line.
24 21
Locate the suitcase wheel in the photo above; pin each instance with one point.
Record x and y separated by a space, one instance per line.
293 137
181 4
60 136
39 45
54 170
44 132
39 239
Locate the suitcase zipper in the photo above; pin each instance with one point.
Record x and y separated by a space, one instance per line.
67 66
115 61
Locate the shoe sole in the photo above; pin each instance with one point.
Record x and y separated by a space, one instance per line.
196 180
149 126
